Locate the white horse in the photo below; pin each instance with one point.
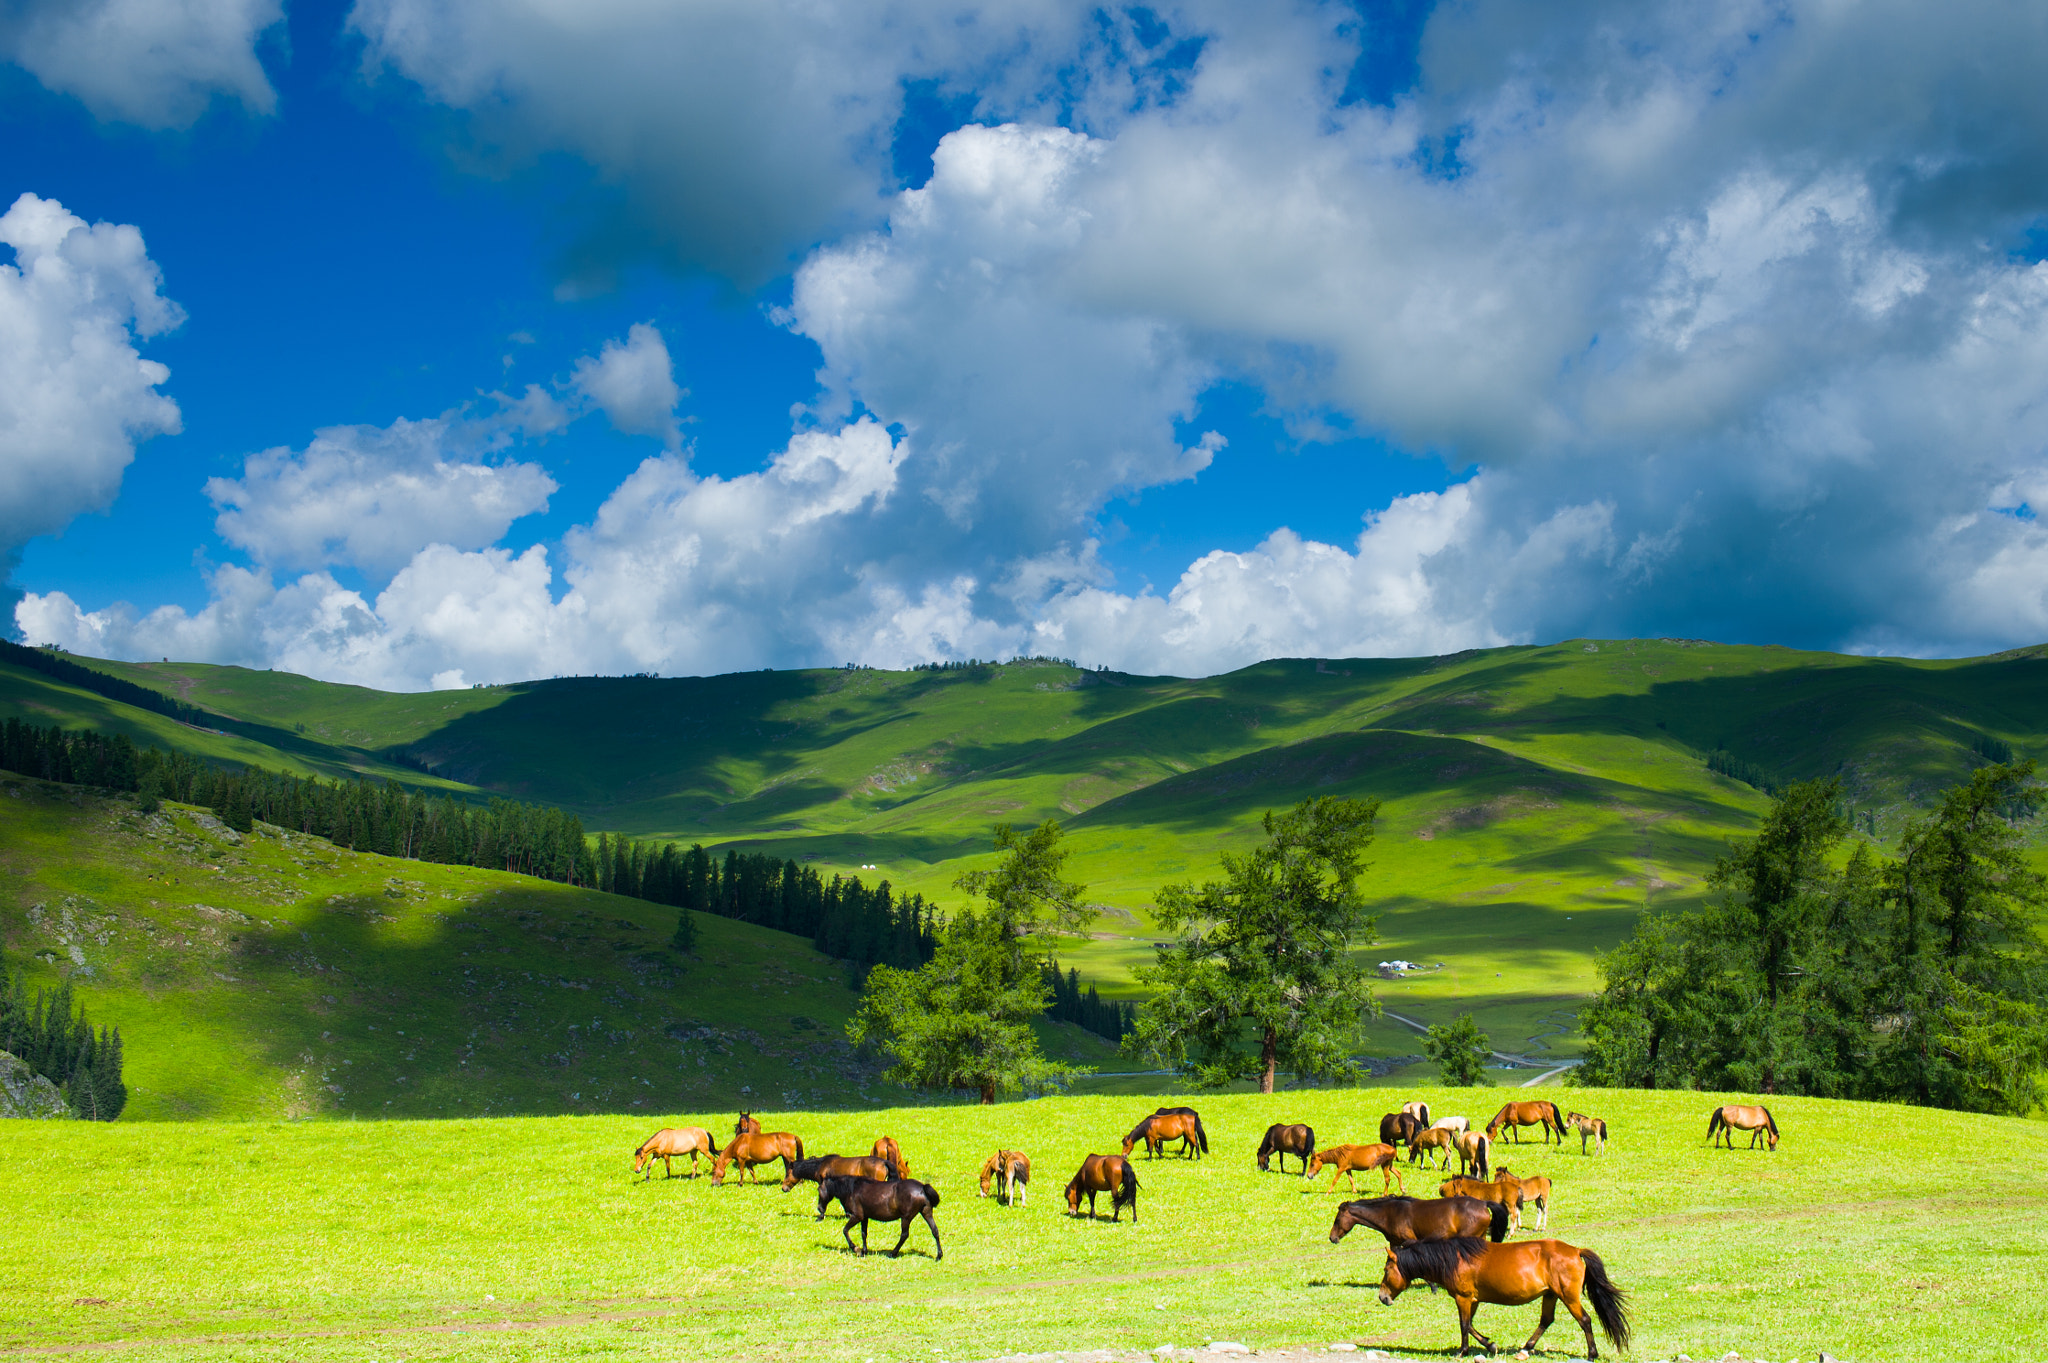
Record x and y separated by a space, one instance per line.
1419 1111
1453 1123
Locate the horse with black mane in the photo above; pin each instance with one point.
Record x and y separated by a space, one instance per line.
1536 1112
1180 1123
757 1148
1473 1271
1112 1174
747 1125
818 1168
1755 1119
1402 1219
1284 1140
1398 1128
903 1199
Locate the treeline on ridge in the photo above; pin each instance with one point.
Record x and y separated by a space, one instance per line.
46 1035
102 684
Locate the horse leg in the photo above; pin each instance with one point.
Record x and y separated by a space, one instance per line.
935 1234
1467 1331
1578 1310
847 1231
897 1252
1543 1321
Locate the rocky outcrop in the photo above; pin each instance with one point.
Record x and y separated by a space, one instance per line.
24 1093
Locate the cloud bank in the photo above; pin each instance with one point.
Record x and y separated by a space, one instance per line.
155 63
1737 311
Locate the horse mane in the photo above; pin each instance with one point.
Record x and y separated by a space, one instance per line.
1435 1260
1769 1119
1140 1131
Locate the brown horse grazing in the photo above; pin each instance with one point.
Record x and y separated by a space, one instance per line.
1284 1140
1176 1123
1475 1151
756 1148
1011 1171
903 1199
1112 1174
1536 1112
1432 1139
1535 1189
747 1125
1473 1271
886 1148
1402 1219
818 1168
673 1142
1396 1128
1757 1121
1351 1159
1589 1128
1508 1194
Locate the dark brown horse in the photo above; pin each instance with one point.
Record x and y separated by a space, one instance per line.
1535 1112
1351 1159
1402 1219
673 1142
1112 1174
1473 1271
903 1199
747 1125
1011 1171
1284 1140
886 1148
1398 1128
753 1149
818 1168
1170 1123
1756 1120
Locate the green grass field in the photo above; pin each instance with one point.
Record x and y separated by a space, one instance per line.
1876 1233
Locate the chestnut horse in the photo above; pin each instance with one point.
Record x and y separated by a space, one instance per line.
1432 1138
1112 1174
1170 1123
1589 1128
1011 1171
886 1148
1284 1140
673 1142
818 1168
1473 1271
1402 1219
903 1199
1757 1121
1351 1159
747 1125
1535 1189
1475 1151
1508 1193
1536 1112
757 1148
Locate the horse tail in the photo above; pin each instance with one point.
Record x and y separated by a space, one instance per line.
1201 1136
890 1165
1485 1156
1713 1123
800 1146
1311 1139
1557 1120
1129 1189
1610 1303
1499 1229
930 1192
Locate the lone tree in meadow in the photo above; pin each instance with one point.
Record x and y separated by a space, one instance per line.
963 1019
1460 1050
1264 956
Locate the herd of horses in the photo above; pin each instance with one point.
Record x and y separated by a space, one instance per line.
1457 1241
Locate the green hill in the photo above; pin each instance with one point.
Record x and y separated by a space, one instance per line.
1535 799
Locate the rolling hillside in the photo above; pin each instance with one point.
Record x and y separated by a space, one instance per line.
1535 798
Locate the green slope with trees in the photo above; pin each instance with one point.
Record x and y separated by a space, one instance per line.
1534 800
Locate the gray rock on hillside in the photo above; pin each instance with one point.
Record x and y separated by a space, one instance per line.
24 1093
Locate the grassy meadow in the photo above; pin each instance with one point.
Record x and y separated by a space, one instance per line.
1873 1233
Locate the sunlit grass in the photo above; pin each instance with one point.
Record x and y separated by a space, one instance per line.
354 1240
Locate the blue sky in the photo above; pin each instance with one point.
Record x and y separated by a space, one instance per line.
511 339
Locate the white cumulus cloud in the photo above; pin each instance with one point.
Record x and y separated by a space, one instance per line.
75 394
634 385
